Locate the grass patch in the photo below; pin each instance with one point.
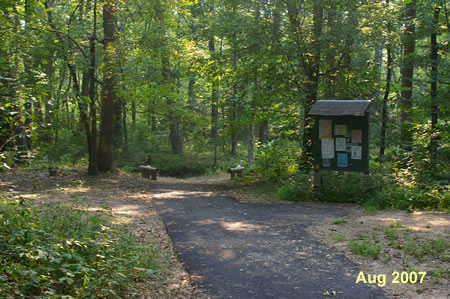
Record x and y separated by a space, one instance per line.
435 248
339 221
56 251
339 237
364 248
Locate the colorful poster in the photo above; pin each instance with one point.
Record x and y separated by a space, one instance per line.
356 136
324 128
342 160
340 130
326 162
327 148
348 147
340 144
356 152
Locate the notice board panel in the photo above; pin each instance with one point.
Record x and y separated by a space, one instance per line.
346 148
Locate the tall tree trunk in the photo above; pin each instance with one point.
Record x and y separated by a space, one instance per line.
263 133
384 103
173 118
93 162
125 129
214 105
250 144
234 106
407 71
433 85
105 149
313 69
118 130
133 114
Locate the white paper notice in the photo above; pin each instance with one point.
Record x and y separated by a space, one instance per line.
340 130
356 152
327 148
324 128
340 144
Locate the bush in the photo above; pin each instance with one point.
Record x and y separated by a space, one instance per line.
274 162
297 188
56 251
340 187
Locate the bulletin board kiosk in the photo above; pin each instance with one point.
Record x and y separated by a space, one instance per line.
341 136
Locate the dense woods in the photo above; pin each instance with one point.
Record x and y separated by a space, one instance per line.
198 86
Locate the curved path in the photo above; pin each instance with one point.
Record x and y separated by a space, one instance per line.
248 250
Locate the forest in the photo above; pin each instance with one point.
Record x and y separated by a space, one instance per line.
194 87
93 89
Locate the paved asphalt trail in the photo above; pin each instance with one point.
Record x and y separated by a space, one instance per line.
247 250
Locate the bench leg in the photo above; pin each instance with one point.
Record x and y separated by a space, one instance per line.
154 176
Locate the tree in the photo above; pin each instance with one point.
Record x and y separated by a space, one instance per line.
407 73
105 149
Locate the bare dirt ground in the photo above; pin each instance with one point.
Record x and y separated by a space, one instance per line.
392 230
129 200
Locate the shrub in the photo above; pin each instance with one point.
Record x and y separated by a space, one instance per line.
297 188
56 251
340 187
274 162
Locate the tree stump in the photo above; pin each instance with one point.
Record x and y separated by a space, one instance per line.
236 170
147 171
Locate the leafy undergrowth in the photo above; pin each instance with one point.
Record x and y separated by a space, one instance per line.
56 251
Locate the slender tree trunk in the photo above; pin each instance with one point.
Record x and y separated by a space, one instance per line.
312 84
433 85
125 129
234 106
173 118
263 134
93 162
133 114
250 144
105 149
407 71
118 130
384 103
214 105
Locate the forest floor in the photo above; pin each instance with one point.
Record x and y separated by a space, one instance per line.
129 200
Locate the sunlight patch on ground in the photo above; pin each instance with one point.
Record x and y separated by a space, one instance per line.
231 226
418 221
181 194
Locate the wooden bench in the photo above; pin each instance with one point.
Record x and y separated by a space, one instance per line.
236 170
146 171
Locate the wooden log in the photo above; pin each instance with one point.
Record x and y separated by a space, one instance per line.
236 170
147 171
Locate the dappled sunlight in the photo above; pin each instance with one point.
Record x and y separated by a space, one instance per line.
180 194
231 226
240 226
227 254
418 221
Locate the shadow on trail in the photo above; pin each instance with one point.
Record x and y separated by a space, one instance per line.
255 250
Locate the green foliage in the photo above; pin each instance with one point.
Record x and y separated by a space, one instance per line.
365 248
434 248
275 161
340 187
339 221
339 237
297 188
56 251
